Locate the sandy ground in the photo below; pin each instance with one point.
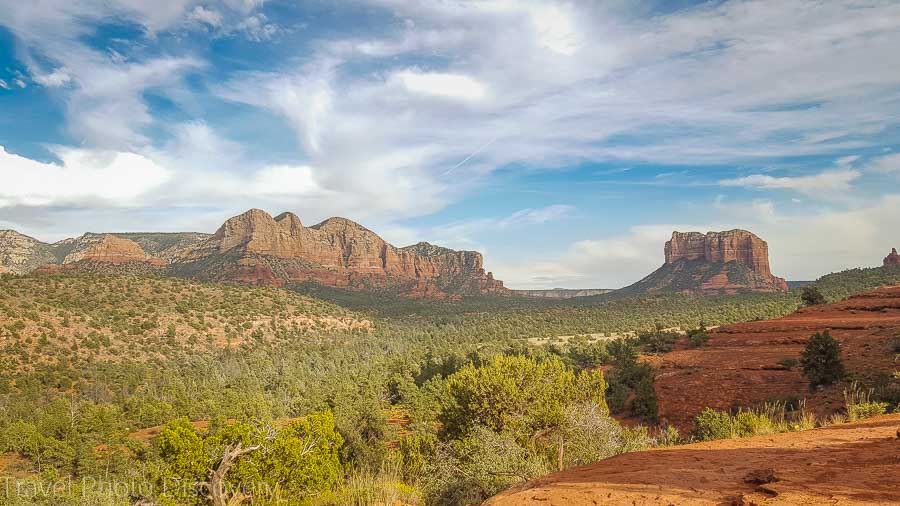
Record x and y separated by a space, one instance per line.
856 463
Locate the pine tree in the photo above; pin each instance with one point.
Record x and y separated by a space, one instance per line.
821 360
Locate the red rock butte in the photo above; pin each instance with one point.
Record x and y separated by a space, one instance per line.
715 262
256 248
892 259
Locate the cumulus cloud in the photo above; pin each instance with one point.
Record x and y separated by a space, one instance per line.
400 121
84 178
802 246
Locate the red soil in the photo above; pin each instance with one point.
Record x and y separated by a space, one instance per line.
857 463
739 366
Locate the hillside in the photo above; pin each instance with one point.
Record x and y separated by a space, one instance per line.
745 361
83 317
257 249
844 464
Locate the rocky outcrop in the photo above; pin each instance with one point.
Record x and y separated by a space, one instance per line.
108 249
715 262
256 248
893 259
20 254
167 246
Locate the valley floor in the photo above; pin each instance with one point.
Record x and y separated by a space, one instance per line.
855 463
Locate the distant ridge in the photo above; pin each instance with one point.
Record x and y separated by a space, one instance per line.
562 293
255 248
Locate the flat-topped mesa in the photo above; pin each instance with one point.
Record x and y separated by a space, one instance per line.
893 259
737 245
716 262
256 248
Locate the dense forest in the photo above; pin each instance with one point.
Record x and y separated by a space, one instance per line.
129 389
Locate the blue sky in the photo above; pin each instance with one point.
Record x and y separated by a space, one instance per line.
565 140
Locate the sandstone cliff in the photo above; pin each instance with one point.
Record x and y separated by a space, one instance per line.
20 254
715 262
893 259
256 248
107 248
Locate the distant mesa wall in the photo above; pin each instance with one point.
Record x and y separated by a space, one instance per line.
892 259
739 246
561 293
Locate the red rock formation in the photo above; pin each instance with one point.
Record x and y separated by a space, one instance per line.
892 259
715 262
740 246
108 249
256 248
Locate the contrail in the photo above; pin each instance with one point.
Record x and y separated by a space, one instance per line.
479 150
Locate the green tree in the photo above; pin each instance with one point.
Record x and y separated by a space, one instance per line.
516 393
644 403
299 460
821 360
811 296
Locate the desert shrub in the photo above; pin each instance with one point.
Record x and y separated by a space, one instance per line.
363 487
713 424
752 423
299 460
821 360
589 435
616 396
698 338
517 394
483 463
644 404
658 341
859 404
669 436
811 296
415 452
788 362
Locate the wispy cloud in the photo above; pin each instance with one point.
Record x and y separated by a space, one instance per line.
825 183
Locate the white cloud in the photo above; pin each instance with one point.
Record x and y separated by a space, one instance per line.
444 85
285 180
84 178
802 246
210 17
824 183
887 163
610 262
4 84
56 78
537 216
556 29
